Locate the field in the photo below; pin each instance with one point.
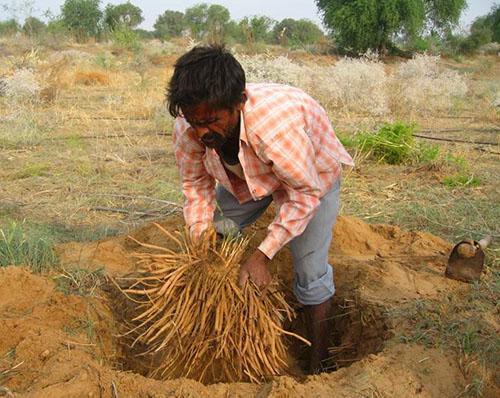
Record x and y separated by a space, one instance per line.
85 149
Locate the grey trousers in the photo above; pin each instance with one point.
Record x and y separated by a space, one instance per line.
313 275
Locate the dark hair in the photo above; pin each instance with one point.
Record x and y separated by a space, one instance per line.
205 74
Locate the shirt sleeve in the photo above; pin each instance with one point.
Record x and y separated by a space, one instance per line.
198 186
291 154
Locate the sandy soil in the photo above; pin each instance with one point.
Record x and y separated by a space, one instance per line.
57 345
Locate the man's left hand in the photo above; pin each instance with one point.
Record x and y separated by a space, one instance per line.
255 269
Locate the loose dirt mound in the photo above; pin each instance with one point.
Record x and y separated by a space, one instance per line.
57 345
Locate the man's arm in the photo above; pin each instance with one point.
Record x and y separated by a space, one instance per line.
293 161
198 186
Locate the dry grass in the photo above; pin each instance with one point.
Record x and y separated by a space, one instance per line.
91 78
205 327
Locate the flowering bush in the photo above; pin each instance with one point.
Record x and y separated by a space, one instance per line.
22 86
363 85
422 86
350 86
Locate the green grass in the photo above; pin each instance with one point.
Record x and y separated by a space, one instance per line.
33 249
393 144
32 170
461 180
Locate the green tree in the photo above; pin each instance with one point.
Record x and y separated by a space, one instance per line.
33 27
169 24
292 32
122 15
207 21
196 19
82 18
257 28
9 27
217 19
233 32
359 25
488 24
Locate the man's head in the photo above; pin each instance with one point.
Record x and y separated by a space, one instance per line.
207 88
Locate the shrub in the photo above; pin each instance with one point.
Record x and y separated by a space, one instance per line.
352 85
392 143
22 86
126 38
421 86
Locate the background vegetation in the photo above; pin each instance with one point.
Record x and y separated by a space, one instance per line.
396 27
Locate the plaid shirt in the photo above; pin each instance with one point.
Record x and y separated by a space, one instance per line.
288 149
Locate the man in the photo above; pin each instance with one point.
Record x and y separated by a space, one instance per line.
240 147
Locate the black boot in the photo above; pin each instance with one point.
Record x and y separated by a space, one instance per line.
319 333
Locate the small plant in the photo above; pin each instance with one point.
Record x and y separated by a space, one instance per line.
126 38
105 60
427 154
392 143
32 170
79 281
461 179
18 248
22 86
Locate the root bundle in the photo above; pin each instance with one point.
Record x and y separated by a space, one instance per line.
192 314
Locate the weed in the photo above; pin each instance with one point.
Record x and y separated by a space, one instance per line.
392 143
19 248
126 38
105 60
32 170
428 154
461 180
79 281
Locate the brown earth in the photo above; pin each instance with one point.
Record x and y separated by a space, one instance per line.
57 345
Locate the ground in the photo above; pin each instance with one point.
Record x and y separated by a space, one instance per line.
61 344
89 161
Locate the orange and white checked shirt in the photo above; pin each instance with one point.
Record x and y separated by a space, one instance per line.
288 149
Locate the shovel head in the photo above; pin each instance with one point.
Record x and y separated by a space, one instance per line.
466 262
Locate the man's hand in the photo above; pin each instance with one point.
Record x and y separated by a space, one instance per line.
255 269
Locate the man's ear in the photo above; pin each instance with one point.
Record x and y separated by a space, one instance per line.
241 104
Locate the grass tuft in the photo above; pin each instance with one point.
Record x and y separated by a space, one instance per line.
19 248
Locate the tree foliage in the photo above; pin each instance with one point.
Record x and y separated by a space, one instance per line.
33 27
207 21
9 27
82 18
359 25
217 18
297 32
257 28
169 24
488 24
122 15
196 19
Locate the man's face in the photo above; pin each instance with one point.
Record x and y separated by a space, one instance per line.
213 126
